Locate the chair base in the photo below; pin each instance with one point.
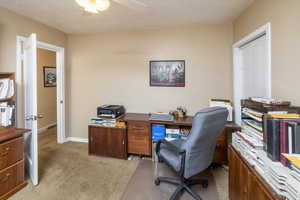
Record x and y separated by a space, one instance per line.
183 185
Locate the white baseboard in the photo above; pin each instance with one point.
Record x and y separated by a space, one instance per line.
45 128
77 139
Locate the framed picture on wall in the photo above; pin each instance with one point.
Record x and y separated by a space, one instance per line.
49 76
167 73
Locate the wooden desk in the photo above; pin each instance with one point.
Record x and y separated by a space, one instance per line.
139 137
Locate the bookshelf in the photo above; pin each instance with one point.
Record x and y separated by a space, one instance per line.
11 100
253 114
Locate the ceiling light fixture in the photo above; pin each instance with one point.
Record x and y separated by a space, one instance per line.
94 6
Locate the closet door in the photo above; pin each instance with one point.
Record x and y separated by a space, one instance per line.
255 77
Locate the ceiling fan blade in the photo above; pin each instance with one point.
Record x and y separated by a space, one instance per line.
133 4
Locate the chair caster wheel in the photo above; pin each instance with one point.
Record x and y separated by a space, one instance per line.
205 184
157 181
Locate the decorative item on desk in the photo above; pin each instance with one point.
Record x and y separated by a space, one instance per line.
180 112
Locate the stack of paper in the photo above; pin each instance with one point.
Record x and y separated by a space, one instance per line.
244 147
6 114
279 176
6 88
223 103
293 189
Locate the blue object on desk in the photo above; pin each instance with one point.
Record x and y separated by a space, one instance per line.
158 131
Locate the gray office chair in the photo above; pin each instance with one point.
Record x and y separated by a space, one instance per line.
195 154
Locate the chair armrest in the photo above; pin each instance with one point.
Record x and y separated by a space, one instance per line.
170 146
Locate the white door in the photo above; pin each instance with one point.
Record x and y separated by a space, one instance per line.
30 103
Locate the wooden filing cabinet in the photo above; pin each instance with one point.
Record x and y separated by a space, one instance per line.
12 167
106 141
139 138
245 183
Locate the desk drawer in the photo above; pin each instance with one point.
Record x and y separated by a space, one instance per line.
11 152
140 147
139 128
11 177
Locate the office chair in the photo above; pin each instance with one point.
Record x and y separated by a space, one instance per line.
195 154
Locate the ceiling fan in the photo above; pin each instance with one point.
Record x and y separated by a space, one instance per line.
94 6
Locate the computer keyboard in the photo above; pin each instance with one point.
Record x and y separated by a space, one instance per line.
161 117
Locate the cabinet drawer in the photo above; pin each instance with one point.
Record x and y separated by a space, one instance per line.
11 152
139 127
11 177
139 147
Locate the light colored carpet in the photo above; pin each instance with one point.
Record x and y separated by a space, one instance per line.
141 185
67 172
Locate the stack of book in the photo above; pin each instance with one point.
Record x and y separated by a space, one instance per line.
107 122
184 132
252 125
282 135
172 132
245 146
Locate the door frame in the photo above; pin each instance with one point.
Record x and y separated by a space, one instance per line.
60 86
237 62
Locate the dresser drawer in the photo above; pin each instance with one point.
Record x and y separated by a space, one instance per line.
11 177
11 152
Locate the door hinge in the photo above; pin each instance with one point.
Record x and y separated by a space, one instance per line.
22 56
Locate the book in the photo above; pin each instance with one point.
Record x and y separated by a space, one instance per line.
294 137
254 124
294 159
285 116
273 138
286 139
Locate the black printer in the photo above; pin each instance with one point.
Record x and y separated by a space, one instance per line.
111 111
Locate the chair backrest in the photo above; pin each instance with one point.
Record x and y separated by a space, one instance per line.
200 145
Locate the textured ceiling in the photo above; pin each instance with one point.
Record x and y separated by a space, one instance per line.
67 16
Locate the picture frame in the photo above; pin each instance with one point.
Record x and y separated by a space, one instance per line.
49 76
167 73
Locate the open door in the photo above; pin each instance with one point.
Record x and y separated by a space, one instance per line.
30 106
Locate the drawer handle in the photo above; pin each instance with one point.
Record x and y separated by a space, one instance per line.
6 152
6 177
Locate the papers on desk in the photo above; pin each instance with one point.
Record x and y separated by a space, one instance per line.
6 114
6 88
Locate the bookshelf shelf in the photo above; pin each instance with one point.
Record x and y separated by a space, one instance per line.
11 101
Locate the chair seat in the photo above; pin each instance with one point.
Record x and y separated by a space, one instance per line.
171 158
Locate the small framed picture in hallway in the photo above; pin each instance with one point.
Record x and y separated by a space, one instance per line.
49 76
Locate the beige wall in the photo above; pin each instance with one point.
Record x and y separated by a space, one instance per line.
11 25
46 95
113 68
284 16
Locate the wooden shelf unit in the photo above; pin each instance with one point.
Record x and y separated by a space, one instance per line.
245 183
12 160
